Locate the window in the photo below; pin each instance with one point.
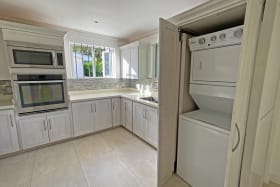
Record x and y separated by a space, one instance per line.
90 61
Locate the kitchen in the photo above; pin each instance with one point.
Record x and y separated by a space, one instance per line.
84 109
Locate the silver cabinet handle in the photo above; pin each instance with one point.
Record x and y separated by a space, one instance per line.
113 105
144 116
238 140
200 65
50 124
91 107
11 120
94 107
45 127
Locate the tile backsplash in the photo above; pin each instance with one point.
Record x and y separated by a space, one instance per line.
5 87
95 84
107 83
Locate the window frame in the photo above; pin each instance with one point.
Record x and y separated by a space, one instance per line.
74 64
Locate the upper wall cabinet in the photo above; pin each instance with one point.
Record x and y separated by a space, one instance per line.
130 61
148 61
140 59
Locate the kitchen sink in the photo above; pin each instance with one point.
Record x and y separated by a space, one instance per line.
152 99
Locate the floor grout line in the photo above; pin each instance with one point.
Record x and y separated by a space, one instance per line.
81 167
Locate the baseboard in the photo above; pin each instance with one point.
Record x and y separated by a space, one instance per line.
275 179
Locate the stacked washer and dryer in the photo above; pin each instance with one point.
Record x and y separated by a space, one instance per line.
204 134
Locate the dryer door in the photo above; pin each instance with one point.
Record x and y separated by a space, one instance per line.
216 65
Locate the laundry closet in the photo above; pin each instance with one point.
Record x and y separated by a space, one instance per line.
209 83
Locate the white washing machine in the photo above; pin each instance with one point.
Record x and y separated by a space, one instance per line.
203 134
202 148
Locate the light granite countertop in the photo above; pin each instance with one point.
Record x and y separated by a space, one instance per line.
6 102
132 94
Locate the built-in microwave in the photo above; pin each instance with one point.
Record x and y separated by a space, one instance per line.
39 92
36 57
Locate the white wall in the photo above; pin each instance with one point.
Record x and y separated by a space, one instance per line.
90 38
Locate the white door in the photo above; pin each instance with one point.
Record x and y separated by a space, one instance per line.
59 126
169 80
125 55
139 119
103 114
8 133
263 98
128 114
152 126
116 111
134 68
83 116
34 131
243 91
216 65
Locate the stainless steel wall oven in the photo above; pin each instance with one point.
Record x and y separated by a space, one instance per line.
39 92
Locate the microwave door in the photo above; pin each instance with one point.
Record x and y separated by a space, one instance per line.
29 57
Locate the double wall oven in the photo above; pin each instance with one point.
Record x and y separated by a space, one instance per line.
39 92
38 76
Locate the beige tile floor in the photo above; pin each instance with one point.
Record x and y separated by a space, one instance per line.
113 158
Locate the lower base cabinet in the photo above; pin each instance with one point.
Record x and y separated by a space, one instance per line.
44 128
91 116
145 123
126 113
8 132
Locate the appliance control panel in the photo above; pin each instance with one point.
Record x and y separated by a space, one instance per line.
231 36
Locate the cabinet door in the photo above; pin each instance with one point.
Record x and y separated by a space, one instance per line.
83 116
8 133
34 131
134 65
125 53
59 126
151 131
128 114
103 114
139 121
116 110
123 114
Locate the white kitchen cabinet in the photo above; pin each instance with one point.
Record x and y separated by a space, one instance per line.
59 126
130 61
40 129
116 111
145 123
83 117
139 122
34 131
8 132
103 114
152 127
126 114
134 62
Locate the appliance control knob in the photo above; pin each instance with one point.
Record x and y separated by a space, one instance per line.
222 36
201 41
213 38
238 33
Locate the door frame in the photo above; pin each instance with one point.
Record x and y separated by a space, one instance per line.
243 90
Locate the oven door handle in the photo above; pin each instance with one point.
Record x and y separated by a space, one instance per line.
51 81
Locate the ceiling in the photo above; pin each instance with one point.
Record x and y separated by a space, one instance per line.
125 19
